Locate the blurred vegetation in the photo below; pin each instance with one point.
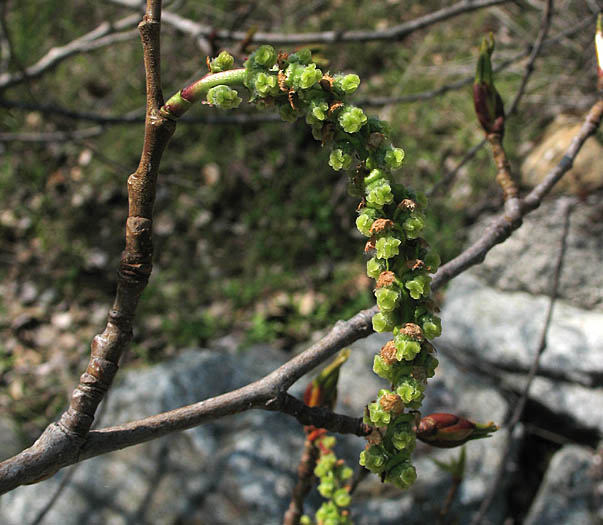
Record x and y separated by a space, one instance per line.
254 234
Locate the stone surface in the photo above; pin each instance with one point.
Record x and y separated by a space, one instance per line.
566 495
525 261
586 174
241 469
502 330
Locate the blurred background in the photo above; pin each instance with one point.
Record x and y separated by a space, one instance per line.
254 233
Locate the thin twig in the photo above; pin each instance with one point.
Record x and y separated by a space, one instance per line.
104 35
305 476
393 33
566 209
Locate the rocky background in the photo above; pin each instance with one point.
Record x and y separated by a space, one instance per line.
242 469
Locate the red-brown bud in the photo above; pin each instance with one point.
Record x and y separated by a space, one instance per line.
447 430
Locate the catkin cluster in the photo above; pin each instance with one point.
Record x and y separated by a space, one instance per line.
389 214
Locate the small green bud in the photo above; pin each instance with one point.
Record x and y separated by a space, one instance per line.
418 286
364 223
346 473
373 459
387 247
404 439
303 56
347 83
223 97
266 84
382 369
432 326
409 390
387 299
351 119
380 194
342 498
402 475
326 487
339 160
305 520
394 158
374 176
319 110
374 268
378 416
222 62
413 226
265 56
325 465
309 76
406 350
384 322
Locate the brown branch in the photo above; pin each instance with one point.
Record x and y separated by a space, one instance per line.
504 177
567 205
393 33
55 450
516 209
305 477
104 35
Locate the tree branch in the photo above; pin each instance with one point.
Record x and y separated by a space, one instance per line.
516 209
104 35
393 33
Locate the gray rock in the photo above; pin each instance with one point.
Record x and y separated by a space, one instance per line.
566 494
502 330
525 260
241 469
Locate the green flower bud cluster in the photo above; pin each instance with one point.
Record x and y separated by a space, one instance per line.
393 219
223 62
333 475
224 97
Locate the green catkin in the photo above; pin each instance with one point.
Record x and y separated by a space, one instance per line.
333 485
392 216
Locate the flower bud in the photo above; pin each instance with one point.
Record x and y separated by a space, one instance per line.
322 390
374 267
351 119
387 299
373 458
413 226
486 99
339 160
265 56
394 158
384 322
447 430
222 62
309 76
387 247
302 56
379 194
224 97
406 348
346 84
